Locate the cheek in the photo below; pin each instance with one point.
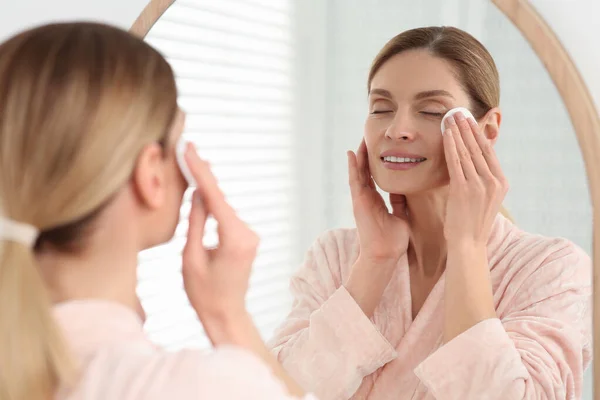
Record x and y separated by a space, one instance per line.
439 146
434 140
435 149
176 183
441 164
375 128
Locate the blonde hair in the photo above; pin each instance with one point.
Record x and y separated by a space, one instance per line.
475 66
78 103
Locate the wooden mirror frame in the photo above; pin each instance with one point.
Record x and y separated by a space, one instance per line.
584 117
571 86
151 13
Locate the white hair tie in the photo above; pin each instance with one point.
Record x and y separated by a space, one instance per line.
18 232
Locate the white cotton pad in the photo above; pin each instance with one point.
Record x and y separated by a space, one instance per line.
450 113
180 155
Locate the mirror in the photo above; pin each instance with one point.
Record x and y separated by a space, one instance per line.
276 93
234 75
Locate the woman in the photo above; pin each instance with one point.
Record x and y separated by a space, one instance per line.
443 298
88 178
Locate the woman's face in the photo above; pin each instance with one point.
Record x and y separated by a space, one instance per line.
408 97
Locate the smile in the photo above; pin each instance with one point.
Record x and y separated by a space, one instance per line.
393 159
401 163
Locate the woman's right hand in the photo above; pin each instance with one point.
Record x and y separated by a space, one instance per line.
216 280
383 236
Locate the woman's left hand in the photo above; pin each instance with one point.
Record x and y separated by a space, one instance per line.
477 183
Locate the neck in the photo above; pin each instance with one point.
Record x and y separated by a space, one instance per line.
427 245
105 270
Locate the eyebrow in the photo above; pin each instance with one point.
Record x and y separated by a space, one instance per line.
381 92
418 96
432 93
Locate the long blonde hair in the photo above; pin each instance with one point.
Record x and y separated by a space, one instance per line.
476 69
78 102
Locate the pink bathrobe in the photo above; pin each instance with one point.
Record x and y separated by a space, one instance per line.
537 348
118 362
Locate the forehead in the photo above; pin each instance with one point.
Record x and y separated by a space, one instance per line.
414 71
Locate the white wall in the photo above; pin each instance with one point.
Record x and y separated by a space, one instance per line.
581 38
17 15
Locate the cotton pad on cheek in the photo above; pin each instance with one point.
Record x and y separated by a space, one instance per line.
450 113
180 156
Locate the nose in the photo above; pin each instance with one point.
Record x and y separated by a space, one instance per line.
401 129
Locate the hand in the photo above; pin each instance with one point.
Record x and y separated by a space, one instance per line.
383 235
477 184
216 280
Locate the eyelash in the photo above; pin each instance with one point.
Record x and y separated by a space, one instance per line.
422 112
380 112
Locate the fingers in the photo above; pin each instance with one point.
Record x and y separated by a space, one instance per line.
194 251
353 179
454 168
359 173
487 150
372 183
362 158
213 197
469 130
466 163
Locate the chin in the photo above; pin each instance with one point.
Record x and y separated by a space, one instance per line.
405 189
408 185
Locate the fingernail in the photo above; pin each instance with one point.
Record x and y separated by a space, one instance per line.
451 121
459 116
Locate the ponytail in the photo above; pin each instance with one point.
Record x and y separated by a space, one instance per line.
33 357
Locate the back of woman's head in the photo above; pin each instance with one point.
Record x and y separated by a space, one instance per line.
78 102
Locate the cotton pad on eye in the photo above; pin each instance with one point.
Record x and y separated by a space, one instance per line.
450 113
180 156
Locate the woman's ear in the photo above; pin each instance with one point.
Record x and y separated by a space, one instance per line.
490 124
149 176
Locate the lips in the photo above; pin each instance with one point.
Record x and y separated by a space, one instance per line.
400 154
403 159
396 160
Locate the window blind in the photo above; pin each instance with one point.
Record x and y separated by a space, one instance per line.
232 61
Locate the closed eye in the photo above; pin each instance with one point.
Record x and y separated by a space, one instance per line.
432 114
381 112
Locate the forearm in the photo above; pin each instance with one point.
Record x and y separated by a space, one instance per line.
468 293
368 281
340 328
241 331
